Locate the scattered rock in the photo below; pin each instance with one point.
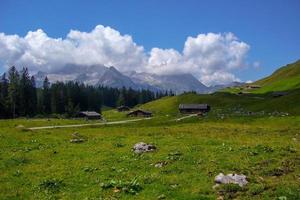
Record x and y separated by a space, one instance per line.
161 196
142 147
80 140
77 138
160 164
174 186
231 178
116 190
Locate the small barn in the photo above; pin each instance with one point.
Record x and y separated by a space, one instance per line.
253 86
279 94
193 108
89 115
139 113
123 108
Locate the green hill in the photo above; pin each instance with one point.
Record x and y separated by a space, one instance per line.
229 103
285 78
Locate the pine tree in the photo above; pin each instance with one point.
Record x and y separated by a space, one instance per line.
25 93
122 97
46 101
3 97
33 97
13 90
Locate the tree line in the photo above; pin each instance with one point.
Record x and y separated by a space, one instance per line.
19 96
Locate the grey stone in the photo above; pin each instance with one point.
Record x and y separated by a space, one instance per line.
77 140
231 178
160 164
142 147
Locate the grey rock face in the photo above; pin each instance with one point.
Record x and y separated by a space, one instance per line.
142 147
111 77
231 178
178 83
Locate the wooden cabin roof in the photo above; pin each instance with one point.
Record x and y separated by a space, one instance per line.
194 106
139 110
90 113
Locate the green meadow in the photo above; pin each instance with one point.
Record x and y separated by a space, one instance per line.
44 164
253 133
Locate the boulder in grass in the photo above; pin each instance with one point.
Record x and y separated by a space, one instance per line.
241 180
142 147
160 164
77 138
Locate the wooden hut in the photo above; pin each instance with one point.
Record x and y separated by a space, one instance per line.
253 86
139 113
193 108
123 108
89 115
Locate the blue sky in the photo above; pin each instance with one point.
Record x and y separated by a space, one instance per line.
271 27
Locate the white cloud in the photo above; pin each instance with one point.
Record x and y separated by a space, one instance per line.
103 45
212 58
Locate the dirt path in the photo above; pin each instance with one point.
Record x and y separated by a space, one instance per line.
81 125
185 117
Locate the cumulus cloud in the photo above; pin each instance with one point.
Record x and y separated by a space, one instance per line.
212 57
103 45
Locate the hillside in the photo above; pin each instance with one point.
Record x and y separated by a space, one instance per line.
227 102
285 78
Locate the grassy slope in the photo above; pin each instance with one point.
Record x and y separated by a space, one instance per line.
227 101
285 78
45 165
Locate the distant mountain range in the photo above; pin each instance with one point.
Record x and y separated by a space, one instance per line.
111 77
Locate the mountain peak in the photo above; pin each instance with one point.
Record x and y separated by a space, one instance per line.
111 77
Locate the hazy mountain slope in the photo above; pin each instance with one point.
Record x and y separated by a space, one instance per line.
178 83
113 78
215 88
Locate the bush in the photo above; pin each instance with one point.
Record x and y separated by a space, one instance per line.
130 187
51 185
256 189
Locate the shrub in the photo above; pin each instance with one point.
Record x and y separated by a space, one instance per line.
130 187
256 189
51 185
